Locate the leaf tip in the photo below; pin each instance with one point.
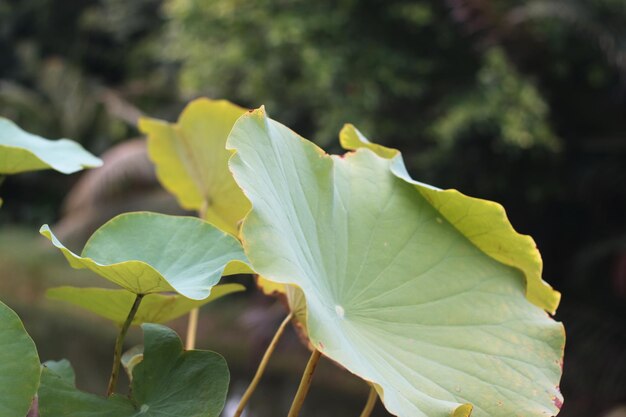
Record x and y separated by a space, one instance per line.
44 230
145 124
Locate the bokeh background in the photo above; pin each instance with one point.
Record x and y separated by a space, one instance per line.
519 102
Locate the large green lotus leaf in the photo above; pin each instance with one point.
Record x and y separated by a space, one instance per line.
394 292
192 162
168 382
19 365
483 222
22 151
149 253
154 308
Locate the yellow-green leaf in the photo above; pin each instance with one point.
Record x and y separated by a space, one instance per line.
483 222
192 162
154 308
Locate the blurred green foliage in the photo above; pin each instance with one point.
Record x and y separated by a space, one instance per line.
502 104
318 65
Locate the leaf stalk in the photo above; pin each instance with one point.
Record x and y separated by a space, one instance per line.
192 323
305 384
261 369
371 402
119 344
192 329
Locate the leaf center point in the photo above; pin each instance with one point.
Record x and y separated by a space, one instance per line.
340 311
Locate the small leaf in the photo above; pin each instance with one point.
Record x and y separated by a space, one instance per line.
192 161
21 151
168 382
19 365
148 253
395 291
154 308
132 358
62 369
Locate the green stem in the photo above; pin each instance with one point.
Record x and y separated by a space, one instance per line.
192 323
119 344
371 402
261 369
305 384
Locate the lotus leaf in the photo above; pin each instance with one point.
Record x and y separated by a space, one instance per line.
395 291
167 382
483 222
19 365
21 151
149 253
154 308
192 162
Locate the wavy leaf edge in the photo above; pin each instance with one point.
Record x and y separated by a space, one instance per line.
278 288
232 267
529 263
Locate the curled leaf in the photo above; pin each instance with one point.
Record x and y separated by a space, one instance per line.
148 253
132 358
21 151
483 222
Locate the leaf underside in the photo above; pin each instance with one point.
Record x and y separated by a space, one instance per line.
483 222
394 291
21 151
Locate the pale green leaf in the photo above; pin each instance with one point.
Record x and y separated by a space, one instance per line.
192 162
483 222
168 382
148 253
154 308
394 292
21 151
19 365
